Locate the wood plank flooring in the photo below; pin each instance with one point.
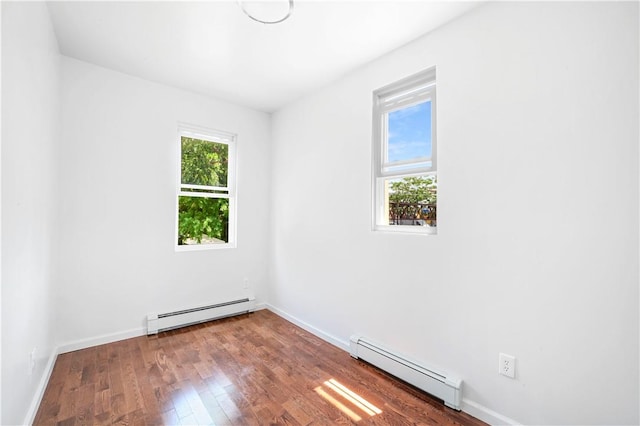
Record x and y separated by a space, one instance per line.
254 369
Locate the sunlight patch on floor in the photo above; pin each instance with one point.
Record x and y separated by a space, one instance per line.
352 400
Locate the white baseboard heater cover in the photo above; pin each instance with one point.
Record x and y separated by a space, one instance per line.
437 383
182 318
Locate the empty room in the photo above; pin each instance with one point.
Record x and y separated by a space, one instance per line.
320 212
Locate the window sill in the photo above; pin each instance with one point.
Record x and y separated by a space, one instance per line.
202 247
407 229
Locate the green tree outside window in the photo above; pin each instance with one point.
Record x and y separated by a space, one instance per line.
203 218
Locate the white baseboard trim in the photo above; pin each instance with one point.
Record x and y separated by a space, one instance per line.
260 306
70 347
342 344
485 414
470 407
101 340
42 386
78 345
114 337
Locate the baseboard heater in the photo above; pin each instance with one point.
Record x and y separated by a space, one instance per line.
437 383
182 318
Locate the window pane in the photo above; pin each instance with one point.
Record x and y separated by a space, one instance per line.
411 200
409 133
203 220
204 162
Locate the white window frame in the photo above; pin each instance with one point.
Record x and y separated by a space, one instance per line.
230 191
405 93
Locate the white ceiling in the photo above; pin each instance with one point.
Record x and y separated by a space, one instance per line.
214 49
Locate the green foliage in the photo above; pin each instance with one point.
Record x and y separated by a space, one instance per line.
198 216
414 190
203 163
413 198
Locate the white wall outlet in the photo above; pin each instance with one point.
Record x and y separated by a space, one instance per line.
507 365
245 283
32 361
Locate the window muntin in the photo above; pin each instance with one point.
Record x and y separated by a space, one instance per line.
206 189
405 168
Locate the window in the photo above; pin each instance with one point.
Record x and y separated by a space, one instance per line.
405 184
206 196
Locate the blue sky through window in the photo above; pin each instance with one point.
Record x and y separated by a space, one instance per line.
409 132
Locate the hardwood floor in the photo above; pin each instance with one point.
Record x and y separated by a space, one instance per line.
253 369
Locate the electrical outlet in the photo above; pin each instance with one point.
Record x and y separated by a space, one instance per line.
246 283
507 365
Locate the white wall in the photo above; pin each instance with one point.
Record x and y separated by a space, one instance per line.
30 135
537 247
118 160
537 107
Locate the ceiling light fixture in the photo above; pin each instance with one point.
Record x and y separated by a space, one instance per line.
252 15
